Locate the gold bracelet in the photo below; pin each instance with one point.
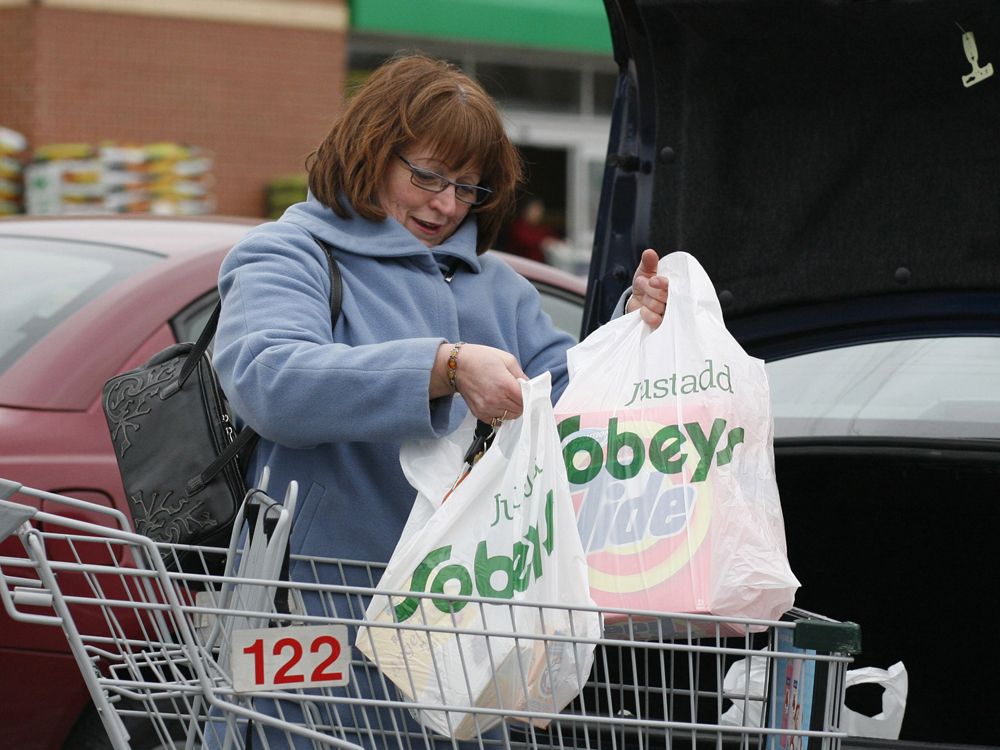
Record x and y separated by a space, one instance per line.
453 365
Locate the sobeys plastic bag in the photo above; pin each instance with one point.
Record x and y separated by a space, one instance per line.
667 442
506 532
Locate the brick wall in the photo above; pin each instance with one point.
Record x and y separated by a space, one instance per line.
17 76
259 97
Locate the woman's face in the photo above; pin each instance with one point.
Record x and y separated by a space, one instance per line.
430 217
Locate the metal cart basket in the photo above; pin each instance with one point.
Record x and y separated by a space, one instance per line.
251 659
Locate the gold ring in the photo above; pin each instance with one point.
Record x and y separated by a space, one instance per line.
504 415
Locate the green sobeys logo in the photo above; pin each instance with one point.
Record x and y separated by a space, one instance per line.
665 451
524 564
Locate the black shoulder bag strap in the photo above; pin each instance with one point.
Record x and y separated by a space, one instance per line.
247 438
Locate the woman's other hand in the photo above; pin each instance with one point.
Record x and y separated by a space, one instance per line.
486 377
649 291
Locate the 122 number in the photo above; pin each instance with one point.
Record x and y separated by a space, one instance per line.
284 674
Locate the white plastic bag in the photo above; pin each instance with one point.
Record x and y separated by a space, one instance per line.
667 439
745 684
887 723
507 531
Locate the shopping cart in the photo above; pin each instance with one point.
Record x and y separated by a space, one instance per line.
251 659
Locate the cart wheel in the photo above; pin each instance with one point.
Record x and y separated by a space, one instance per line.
89 733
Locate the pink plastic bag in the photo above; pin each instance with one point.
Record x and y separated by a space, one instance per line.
667 442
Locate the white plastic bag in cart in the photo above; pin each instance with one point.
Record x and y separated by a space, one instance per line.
889 721
667 440
507 531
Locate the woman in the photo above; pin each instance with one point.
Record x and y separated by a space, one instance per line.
410 189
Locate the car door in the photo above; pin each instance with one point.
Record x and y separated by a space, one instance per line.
832 165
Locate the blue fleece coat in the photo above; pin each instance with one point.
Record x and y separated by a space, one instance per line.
332 408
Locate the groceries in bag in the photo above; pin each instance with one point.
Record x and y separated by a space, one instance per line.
667 443
507 532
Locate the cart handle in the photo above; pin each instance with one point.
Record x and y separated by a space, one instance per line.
826 636
9 488
25 592
12 515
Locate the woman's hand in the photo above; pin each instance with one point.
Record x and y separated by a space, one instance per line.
486 377
649 291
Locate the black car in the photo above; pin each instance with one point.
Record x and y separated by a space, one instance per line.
833 165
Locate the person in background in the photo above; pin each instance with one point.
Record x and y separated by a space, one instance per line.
410 189
528 236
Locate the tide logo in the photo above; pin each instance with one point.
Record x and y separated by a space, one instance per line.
607 518
643 492
636 535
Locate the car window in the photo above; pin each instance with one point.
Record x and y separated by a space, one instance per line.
565 309
188 324
919 388
46 280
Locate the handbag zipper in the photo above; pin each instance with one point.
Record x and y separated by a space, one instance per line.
230 434
227 425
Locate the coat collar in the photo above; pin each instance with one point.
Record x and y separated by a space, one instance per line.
382 239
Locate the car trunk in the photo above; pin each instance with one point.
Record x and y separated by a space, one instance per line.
803 150
901 540
827 165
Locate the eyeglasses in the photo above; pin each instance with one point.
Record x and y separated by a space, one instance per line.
425 179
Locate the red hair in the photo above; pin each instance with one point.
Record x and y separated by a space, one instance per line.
415 99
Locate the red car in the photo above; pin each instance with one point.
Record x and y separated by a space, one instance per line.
84 299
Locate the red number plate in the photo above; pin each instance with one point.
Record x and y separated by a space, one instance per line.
290 658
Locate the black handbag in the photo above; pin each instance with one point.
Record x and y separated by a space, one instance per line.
179 455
